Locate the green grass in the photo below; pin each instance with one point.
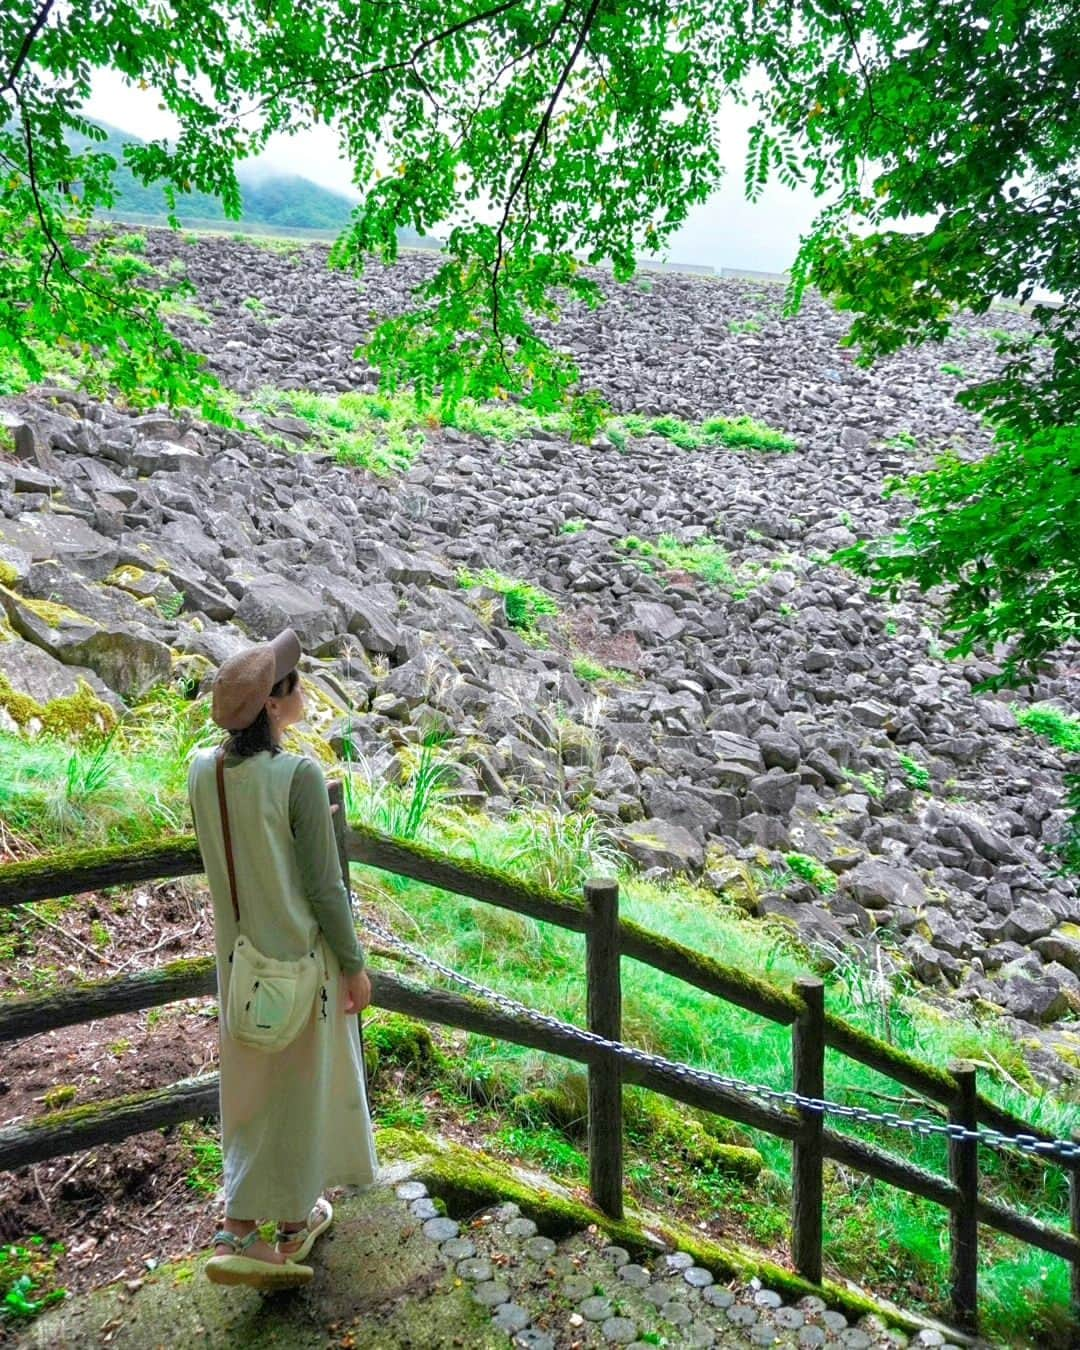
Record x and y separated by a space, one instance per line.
364 431
204 1174
744 325
951 368
573 526
525 604
736 433
871 1227
592 672
1057 727
704 558
124 788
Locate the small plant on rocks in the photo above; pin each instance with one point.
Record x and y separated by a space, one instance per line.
916 775
525 604
817 874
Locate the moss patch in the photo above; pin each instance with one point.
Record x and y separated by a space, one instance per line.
77 716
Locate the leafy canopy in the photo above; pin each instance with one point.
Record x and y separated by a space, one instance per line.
544 133
1004 532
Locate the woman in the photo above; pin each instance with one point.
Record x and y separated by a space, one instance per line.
295 1121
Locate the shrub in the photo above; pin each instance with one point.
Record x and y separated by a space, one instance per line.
1057 727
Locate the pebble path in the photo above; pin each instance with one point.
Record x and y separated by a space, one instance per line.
579 1293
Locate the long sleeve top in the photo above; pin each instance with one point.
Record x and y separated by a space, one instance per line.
317 858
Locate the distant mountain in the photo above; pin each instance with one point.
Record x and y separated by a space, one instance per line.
273 201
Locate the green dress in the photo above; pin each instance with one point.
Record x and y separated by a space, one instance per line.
293 1122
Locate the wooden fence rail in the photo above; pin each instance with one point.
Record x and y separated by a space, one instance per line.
608 939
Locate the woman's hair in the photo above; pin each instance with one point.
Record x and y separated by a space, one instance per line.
253 740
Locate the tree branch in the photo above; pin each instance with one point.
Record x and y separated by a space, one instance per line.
539 137
28 42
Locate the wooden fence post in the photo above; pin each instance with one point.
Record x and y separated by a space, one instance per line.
335 790
604 992
807 1177
963 1220
1074 1228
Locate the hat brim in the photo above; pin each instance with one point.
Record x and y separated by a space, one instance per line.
286 652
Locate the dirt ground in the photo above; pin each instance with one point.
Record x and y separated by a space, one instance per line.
123 1208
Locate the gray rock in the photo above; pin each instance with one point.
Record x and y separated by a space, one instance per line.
659 843
1028 922
881 885
272 603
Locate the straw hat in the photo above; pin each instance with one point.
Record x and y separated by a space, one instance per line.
243 683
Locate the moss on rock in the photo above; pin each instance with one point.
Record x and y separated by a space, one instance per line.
77 716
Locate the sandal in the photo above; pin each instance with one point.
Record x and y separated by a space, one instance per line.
241 1269
319 1220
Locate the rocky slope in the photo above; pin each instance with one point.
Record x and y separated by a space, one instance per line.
761 720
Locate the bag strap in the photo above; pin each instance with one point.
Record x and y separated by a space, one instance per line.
220 757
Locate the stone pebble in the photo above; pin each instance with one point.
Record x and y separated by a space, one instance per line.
698 1277
477 1268
458 1248
491 1293
440 1229
410 1190
539 1248
595 1308
424 1208
635 1276
520 1228
510 1317
618 1330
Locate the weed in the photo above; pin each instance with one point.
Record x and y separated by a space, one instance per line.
525 604
591 672
185 309
871 781
255 306
705 558
27 1269
573 526
1056 726
916 776
56 1097
100 935
891 629
205 1173
903 440
817 874
951 368
744 325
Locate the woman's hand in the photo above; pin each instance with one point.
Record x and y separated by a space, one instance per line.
357 992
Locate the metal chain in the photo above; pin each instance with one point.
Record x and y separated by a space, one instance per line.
1026 1143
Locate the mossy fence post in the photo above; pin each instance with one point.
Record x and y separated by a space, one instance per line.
1074 1228
808 1154
964 1219
604 1001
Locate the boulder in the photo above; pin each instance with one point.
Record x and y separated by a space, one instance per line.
881 885
271 603
128 658
661 844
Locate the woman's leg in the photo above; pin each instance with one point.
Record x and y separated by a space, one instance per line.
258 1251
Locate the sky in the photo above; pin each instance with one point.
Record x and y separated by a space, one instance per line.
727 231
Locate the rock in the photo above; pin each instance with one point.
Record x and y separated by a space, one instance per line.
652 622
1028 922
774 793
663 845
32 679
271 603
881 885
127 658
66 538
778 751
